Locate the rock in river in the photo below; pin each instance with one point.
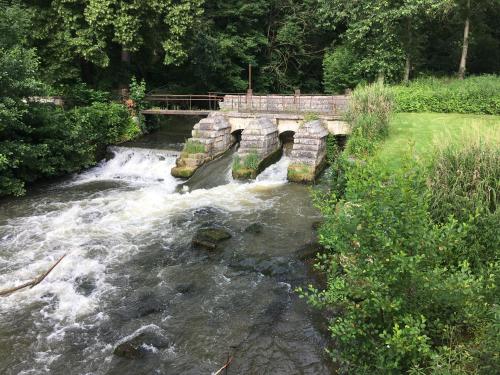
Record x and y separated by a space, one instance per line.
138 346
255 228
208 238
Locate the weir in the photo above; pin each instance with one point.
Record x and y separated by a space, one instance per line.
257 122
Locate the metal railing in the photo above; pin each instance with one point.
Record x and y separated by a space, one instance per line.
186 102
248 102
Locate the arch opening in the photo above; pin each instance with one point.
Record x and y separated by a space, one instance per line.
286 141
236 135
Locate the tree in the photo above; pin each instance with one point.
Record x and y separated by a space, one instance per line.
18 80
94 31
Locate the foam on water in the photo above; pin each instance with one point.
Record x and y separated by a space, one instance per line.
275 173
101 230
106 229
134 165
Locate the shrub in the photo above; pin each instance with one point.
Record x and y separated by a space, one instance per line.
396 295
465 184
476 95
368 115
251 161
62 141
339 72
309 116
79 95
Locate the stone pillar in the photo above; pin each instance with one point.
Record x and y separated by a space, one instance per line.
259 147
308 156
211 137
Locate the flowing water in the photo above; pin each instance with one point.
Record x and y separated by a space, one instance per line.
126 227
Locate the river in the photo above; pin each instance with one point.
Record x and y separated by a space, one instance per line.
126 227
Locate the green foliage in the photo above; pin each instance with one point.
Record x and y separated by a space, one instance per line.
389 278
339 72
309 116
137 92
465 184
80 94
368 115
251 161
193 147
480 95
57 141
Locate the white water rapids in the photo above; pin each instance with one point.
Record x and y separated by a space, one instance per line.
134 206
81 228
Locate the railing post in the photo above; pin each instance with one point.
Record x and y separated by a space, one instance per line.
296 99
250 98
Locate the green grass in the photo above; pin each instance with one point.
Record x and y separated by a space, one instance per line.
193 147
422 132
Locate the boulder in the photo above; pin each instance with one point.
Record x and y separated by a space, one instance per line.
138 346
208 238
255 228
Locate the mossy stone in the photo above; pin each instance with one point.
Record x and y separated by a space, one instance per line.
182 172
208 238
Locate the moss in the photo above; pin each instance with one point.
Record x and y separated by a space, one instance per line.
183 172
301 173
243 173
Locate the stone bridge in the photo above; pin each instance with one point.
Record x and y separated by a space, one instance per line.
263 135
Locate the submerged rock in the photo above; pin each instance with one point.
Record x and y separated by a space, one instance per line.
138 346
208 238
309 250
317 224
255 228
85 285
185 288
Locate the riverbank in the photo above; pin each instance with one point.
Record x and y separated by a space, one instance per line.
411 242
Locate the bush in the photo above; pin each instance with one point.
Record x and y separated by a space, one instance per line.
251 161
62 141
368 115
396 295
338 70
476 95
465 184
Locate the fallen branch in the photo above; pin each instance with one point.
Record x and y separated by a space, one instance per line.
32 283
223 367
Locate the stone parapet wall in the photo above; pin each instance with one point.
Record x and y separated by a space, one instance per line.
285 103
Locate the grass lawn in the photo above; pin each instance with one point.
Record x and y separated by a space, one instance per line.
425 130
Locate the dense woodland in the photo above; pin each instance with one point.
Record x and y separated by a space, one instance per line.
314 45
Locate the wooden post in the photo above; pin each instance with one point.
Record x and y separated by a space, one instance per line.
249 77
296 99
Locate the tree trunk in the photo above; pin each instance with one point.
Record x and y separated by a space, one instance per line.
409 41
124 77
465 45
125 56
406 76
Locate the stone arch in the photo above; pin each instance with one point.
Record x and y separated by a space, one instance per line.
236 135
287 125
286 139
